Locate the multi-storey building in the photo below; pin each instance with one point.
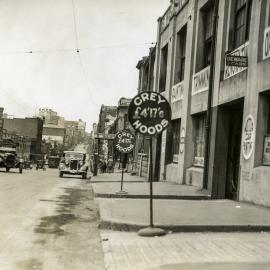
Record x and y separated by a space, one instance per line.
239 158
25 129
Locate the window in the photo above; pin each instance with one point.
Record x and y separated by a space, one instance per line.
199 139
173 141
176 124
208 33
180 55
242 21
163 69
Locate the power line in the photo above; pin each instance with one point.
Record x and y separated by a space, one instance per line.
75 25
77 49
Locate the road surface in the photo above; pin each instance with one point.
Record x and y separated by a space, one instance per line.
48 223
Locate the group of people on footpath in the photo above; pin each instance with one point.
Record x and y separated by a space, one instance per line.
106 166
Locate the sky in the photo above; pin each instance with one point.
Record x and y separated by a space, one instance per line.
111 35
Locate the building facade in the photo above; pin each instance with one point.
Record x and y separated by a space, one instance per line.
239 149
26 129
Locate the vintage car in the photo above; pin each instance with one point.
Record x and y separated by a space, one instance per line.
9 160
73 162
53 161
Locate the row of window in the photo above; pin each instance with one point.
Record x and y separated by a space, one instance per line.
239 34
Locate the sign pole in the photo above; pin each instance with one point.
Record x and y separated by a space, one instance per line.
151 183
122 177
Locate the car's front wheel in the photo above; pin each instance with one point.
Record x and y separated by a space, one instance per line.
84 175
61 174
7 169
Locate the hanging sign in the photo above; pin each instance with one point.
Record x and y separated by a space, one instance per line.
182 140
236 60
124 141
248 137
149 113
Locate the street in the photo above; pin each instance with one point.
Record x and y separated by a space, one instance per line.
47 222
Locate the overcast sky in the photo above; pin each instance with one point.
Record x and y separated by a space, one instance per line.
55 75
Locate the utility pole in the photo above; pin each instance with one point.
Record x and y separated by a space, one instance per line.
210 95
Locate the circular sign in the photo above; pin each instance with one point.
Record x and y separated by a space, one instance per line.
149 113
248 137
124 141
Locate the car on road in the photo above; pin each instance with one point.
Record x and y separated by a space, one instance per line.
74 163
53 161
9 159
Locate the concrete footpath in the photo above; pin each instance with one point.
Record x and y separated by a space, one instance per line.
177 208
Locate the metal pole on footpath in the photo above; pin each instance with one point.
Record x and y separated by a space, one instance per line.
151 182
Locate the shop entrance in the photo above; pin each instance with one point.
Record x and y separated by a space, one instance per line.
226 166
234 152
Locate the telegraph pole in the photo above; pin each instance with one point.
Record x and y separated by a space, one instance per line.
210 95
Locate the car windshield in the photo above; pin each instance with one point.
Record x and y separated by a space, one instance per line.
73 156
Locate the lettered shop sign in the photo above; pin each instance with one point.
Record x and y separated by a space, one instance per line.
149 113
248 137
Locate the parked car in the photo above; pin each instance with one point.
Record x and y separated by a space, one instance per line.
73 162
27 165
53 161
9 160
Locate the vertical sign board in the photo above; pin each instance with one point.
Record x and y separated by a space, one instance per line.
266 43
1 121
149 113
266 150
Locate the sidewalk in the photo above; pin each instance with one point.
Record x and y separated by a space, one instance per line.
107 186
177 214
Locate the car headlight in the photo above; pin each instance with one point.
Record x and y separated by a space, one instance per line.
81 163
21 160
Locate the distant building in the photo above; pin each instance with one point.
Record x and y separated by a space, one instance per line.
53 134
107 117
27 127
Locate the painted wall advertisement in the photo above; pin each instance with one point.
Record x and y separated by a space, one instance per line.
248 137
266 150
200 81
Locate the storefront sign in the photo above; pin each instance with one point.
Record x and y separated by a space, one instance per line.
231 70
266 43
182 140
124 141
248 137
236 60
177 92
266 150
149 113
200 81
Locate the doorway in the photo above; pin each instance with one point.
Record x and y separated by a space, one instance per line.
234 152
226 161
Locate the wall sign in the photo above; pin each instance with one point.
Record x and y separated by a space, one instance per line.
248 137
124 141
182 140
266 150
200 81
266 43
177 92
149 113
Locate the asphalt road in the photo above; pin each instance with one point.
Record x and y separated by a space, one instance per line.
48 223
